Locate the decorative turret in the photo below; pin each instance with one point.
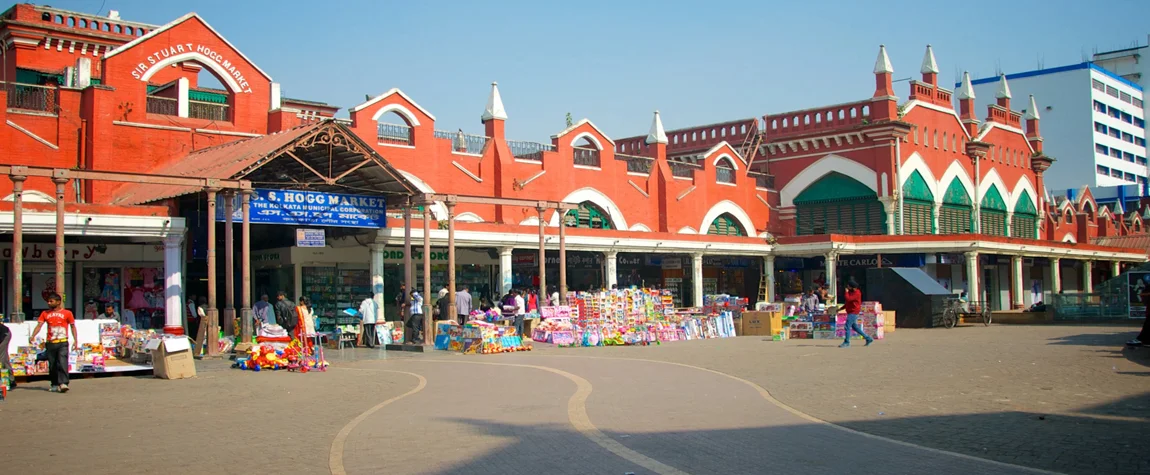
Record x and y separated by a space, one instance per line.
1032 134
494 116
929 68
657 138
884 104
1003 94
966 105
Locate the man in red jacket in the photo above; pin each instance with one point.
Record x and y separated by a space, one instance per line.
852 306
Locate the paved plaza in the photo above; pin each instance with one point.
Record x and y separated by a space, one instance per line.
999 399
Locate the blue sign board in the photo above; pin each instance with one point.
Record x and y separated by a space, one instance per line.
310 238
310 208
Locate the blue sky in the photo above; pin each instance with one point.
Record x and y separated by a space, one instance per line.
614 62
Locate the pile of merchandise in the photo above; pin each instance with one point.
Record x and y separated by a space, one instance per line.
478 337
293 356
633 317
823 326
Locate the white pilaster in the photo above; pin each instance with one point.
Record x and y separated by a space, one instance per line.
832 264
612 276
1009 219
83 72
1087 276
1056 275
173 284
1115 269
1016 279
276 98
377 280
697 279
505 273
934 218
182 97
972 278
769 274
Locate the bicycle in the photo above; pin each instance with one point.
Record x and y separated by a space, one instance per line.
957 309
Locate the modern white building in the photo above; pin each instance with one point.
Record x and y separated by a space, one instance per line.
1092 123
1127 63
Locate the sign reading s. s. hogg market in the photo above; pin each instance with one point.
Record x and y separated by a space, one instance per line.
310 208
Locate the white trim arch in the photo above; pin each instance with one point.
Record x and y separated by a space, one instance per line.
1022 185
398 109
32 196
438 210
1069 237
532 221
992 178
468 217
822 167
955 170
640 227
687 230
734 163
915 163
590 137
599 199
728 207
222 74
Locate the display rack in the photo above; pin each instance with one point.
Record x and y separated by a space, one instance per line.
331 290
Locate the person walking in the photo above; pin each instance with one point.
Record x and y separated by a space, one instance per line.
59 321
263 311
288 319
415 322
401 303
462 304
305 327
367 311
520 313
852 305
5 363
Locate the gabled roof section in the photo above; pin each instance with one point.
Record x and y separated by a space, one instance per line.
910 105
580 124
387 94
173 24
328 144
987 126
726 144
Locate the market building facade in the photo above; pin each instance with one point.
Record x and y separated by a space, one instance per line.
745 207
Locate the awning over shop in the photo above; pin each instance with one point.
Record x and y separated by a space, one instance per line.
324 157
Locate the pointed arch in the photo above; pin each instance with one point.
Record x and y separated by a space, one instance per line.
1069 237
687 230
1017 193
222 74
955 172
915 163
727 156
992 178
406 113
32 196
640 227
599 199
826 165
729 207
438 210
590 138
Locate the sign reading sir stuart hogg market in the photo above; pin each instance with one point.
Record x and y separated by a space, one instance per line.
310 208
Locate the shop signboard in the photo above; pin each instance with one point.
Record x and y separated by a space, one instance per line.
671 263
310 208
89 252
1138 282
310 238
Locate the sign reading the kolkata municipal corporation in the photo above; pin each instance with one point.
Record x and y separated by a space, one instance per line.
310 208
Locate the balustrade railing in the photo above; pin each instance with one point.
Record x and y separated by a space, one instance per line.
394 134
33 97
683 169
635 163
207 110
763 180
587 157
162 105
532 151
464 143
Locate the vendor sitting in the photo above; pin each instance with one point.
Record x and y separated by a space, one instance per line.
810 302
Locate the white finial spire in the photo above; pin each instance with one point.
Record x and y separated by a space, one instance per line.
882 64
657 134
494 105
929 66
1003 88
966 91
1032 111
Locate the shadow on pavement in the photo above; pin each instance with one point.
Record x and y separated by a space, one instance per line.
1076 445
1115 342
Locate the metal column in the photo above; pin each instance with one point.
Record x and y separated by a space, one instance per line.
246 266
17 249
211 328
408 283
60 281
229 264
542 253
562 262
451 256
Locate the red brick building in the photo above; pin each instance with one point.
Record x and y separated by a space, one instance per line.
730 207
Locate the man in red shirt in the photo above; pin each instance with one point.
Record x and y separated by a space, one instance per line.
59 320
852 306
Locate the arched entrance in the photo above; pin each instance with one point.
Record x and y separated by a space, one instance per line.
838 204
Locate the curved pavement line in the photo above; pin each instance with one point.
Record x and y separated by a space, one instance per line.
577 415
335 456
770 398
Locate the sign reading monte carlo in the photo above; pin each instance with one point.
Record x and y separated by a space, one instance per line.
310 208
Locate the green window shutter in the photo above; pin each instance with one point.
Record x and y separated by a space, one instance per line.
993 222
954 219
993 200
838 204
919 216
205 96
1023 226
833 187
587 215
956 194
915 188
725 225
1025 205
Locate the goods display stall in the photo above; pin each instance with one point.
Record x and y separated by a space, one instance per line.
478 337
632 317
824 325
106 346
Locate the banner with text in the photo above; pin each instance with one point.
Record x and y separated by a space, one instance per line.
310 208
